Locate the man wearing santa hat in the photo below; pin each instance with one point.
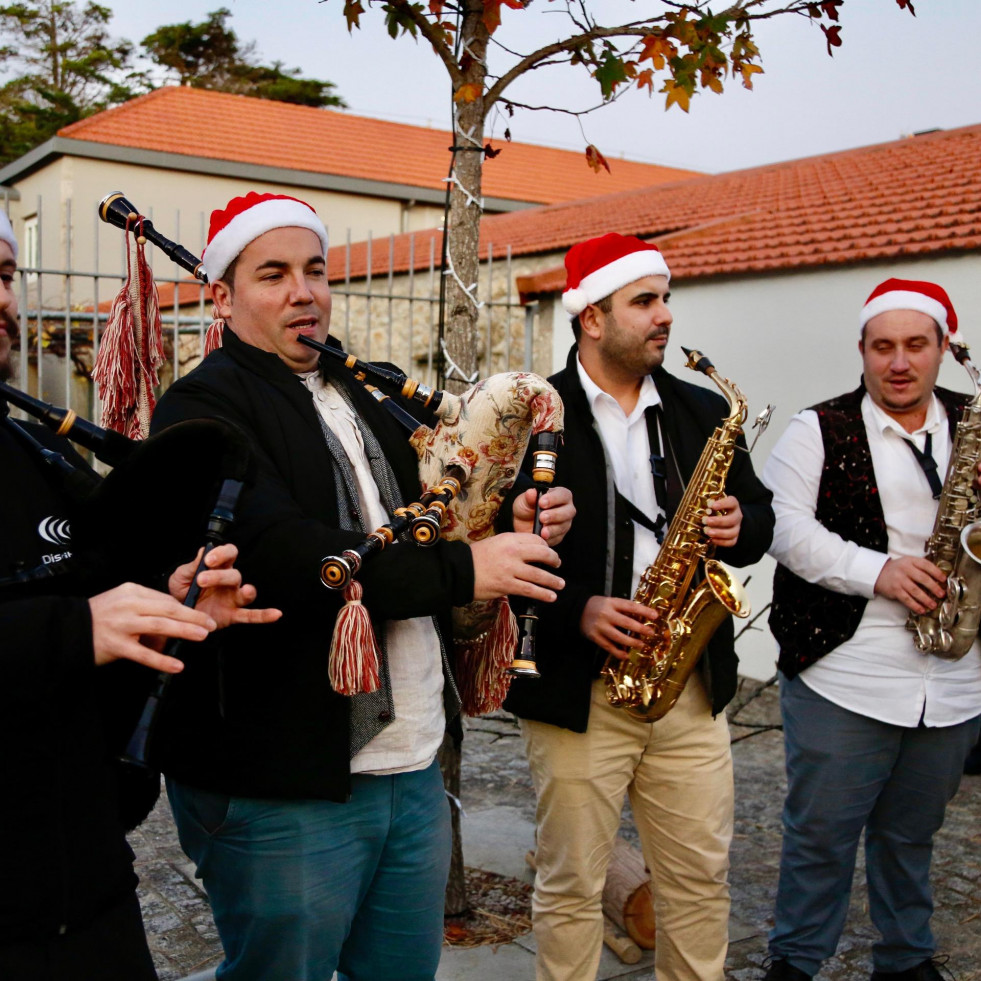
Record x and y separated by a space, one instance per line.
634 434
318 820
876 732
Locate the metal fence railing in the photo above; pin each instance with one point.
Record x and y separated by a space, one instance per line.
71 270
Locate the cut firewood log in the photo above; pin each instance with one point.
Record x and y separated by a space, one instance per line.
628 899
623 947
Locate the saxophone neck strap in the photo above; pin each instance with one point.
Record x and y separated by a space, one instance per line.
635 514
927 464
667 483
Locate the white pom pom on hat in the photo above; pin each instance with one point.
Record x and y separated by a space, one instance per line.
600 266
575 301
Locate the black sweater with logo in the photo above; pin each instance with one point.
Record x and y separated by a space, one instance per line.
65 857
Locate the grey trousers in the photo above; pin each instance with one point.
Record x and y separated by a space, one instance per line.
845 773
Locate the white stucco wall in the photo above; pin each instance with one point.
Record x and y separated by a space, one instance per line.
791 340
179 203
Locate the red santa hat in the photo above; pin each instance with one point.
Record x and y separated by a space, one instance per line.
245 219
911 294
7 233
600 266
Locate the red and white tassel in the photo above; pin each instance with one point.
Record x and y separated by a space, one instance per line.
131 350
354 655
482 664
213 338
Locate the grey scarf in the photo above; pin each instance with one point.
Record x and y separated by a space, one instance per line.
371 711
366 709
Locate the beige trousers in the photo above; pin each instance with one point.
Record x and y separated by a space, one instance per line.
678 773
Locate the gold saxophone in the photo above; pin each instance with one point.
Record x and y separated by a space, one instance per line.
949 630
651 678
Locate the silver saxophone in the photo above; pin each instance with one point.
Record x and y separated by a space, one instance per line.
949 630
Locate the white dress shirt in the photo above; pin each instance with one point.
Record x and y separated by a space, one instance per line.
415 667
877 672
628 450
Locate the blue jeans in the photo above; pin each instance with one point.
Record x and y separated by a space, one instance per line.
846 772
300 889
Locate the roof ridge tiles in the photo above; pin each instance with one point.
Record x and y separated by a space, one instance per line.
198 122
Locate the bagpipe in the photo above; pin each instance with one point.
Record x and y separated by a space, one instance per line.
469 460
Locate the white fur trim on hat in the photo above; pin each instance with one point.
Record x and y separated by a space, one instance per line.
7 233
904 300
250 224
609 278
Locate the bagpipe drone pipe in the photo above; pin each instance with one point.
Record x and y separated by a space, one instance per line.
469 460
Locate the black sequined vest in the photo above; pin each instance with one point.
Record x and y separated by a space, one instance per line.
808 620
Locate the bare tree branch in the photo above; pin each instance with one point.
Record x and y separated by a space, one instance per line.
638 29
566 112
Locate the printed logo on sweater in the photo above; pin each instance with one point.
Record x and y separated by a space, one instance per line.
55 530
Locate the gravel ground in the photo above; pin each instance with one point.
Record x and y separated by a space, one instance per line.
183 938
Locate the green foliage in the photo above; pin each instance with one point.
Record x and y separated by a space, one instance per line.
65 67
402 21
209 55
60 65
287 85
200 55
610 72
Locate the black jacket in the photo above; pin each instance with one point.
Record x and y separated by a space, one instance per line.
253 713
567 660
65 859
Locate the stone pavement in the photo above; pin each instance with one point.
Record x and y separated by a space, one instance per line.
498 830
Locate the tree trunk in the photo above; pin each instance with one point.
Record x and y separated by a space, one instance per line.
455 901
463 231
462 342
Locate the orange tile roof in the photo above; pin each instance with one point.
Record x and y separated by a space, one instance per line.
219 126
912 197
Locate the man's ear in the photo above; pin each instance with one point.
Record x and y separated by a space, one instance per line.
591 321
221 295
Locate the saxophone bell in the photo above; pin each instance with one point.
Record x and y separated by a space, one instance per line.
648 695
949 633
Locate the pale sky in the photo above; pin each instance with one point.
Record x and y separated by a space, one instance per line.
895 75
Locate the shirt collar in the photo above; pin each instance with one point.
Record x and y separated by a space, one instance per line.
595 395
934 421
311 379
